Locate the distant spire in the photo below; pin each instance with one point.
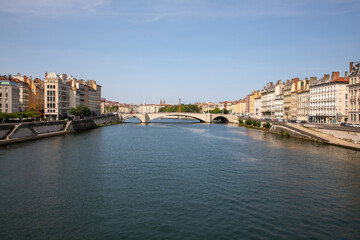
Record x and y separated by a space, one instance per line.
160 102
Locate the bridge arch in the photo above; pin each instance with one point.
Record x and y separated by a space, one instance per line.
221 119
164 115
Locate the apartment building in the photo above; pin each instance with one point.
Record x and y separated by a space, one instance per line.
57 96
9 96
257 105
85 93
303 108
279 100
328 99
31 93
354 93
268 101
287 100
240 107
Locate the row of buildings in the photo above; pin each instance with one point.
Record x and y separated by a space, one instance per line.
53 97
132 108
330 99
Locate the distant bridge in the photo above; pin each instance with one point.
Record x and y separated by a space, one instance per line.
202 117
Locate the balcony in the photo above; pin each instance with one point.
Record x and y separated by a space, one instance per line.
352 99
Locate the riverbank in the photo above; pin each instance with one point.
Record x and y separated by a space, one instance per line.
309 133
21 132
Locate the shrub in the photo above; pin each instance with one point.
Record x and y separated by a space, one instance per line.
241 121
248 122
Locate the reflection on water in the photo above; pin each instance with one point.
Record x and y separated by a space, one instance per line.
178 181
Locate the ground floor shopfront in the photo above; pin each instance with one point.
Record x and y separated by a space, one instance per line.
328 119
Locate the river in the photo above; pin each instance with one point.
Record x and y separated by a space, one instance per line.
178 181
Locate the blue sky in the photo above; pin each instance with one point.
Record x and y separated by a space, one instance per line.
196 50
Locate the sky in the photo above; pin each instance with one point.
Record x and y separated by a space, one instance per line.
197 50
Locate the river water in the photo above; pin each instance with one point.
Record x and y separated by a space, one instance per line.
178 181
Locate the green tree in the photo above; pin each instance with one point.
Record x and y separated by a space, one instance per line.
81 111
248 122
183 108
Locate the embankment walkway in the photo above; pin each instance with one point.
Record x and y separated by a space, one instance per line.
328 138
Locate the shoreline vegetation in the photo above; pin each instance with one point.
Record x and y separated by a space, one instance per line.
254 124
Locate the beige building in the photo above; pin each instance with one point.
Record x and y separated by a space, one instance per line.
303 108
354 93
328 99
303 100
279 100
240 107
85 93
57 96
102 105
9 96
287 100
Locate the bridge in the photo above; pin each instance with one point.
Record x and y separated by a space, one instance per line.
202 117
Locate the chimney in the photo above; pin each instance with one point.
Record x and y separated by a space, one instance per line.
296 83
326 77
351 66
287 82
278 82
334 76
46 74
346 75
268 85
271 84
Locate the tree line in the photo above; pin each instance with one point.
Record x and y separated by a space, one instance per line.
5 117
183 108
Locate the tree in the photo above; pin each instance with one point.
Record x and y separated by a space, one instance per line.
183 108
81 111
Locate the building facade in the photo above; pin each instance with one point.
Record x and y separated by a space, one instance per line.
279 100
287 100
328 99
354 93
57 96
9 96
268 101
257 105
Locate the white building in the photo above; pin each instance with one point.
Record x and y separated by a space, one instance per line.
268 101
328 99
257 105
56 95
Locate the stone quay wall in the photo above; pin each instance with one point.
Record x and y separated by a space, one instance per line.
10 133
